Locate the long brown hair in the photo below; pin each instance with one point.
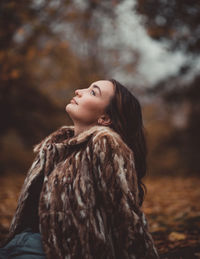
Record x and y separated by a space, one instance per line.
125 113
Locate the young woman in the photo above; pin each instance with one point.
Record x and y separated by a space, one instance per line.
82 196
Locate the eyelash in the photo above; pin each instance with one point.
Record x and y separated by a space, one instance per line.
93 92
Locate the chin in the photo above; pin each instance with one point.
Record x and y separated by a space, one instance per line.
67 108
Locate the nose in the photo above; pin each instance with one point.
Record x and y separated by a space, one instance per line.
78 92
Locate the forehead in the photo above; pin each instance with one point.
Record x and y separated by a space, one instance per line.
106 87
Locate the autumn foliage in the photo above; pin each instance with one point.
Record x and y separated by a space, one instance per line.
50 48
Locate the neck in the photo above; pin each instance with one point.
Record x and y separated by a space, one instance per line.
80 128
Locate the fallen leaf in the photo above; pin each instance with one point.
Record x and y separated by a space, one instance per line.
174 236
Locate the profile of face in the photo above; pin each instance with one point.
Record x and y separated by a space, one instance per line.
88 106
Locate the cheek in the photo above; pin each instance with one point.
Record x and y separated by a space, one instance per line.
86 110
92 106
90 110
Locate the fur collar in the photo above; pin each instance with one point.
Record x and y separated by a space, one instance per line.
65 135
83 136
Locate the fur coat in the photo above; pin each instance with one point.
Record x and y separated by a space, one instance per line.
81 193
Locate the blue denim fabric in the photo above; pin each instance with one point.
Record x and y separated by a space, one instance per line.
26 245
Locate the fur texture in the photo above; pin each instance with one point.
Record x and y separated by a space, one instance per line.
82 193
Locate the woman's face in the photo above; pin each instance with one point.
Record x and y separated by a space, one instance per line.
90 103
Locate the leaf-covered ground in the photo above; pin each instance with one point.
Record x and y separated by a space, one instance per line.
172 208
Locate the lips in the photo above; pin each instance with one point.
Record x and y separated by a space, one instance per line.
73 101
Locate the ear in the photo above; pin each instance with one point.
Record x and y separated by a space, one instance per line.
104 120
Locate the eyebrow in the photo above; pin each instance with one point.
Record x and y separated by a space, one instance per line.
96 86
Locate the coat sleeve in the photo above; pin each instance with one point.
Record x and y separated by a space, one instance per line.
116 186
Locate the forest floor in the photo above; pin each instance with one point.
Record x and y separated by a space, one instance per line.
172 207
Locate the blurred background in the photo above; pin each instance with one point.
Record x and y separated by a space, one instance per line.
49 48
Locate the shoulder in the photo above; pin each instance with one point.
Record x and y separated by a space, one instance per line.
105 138
113 155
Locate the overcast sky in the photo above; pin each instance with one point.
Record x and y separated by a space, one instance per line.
127 35
156 61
